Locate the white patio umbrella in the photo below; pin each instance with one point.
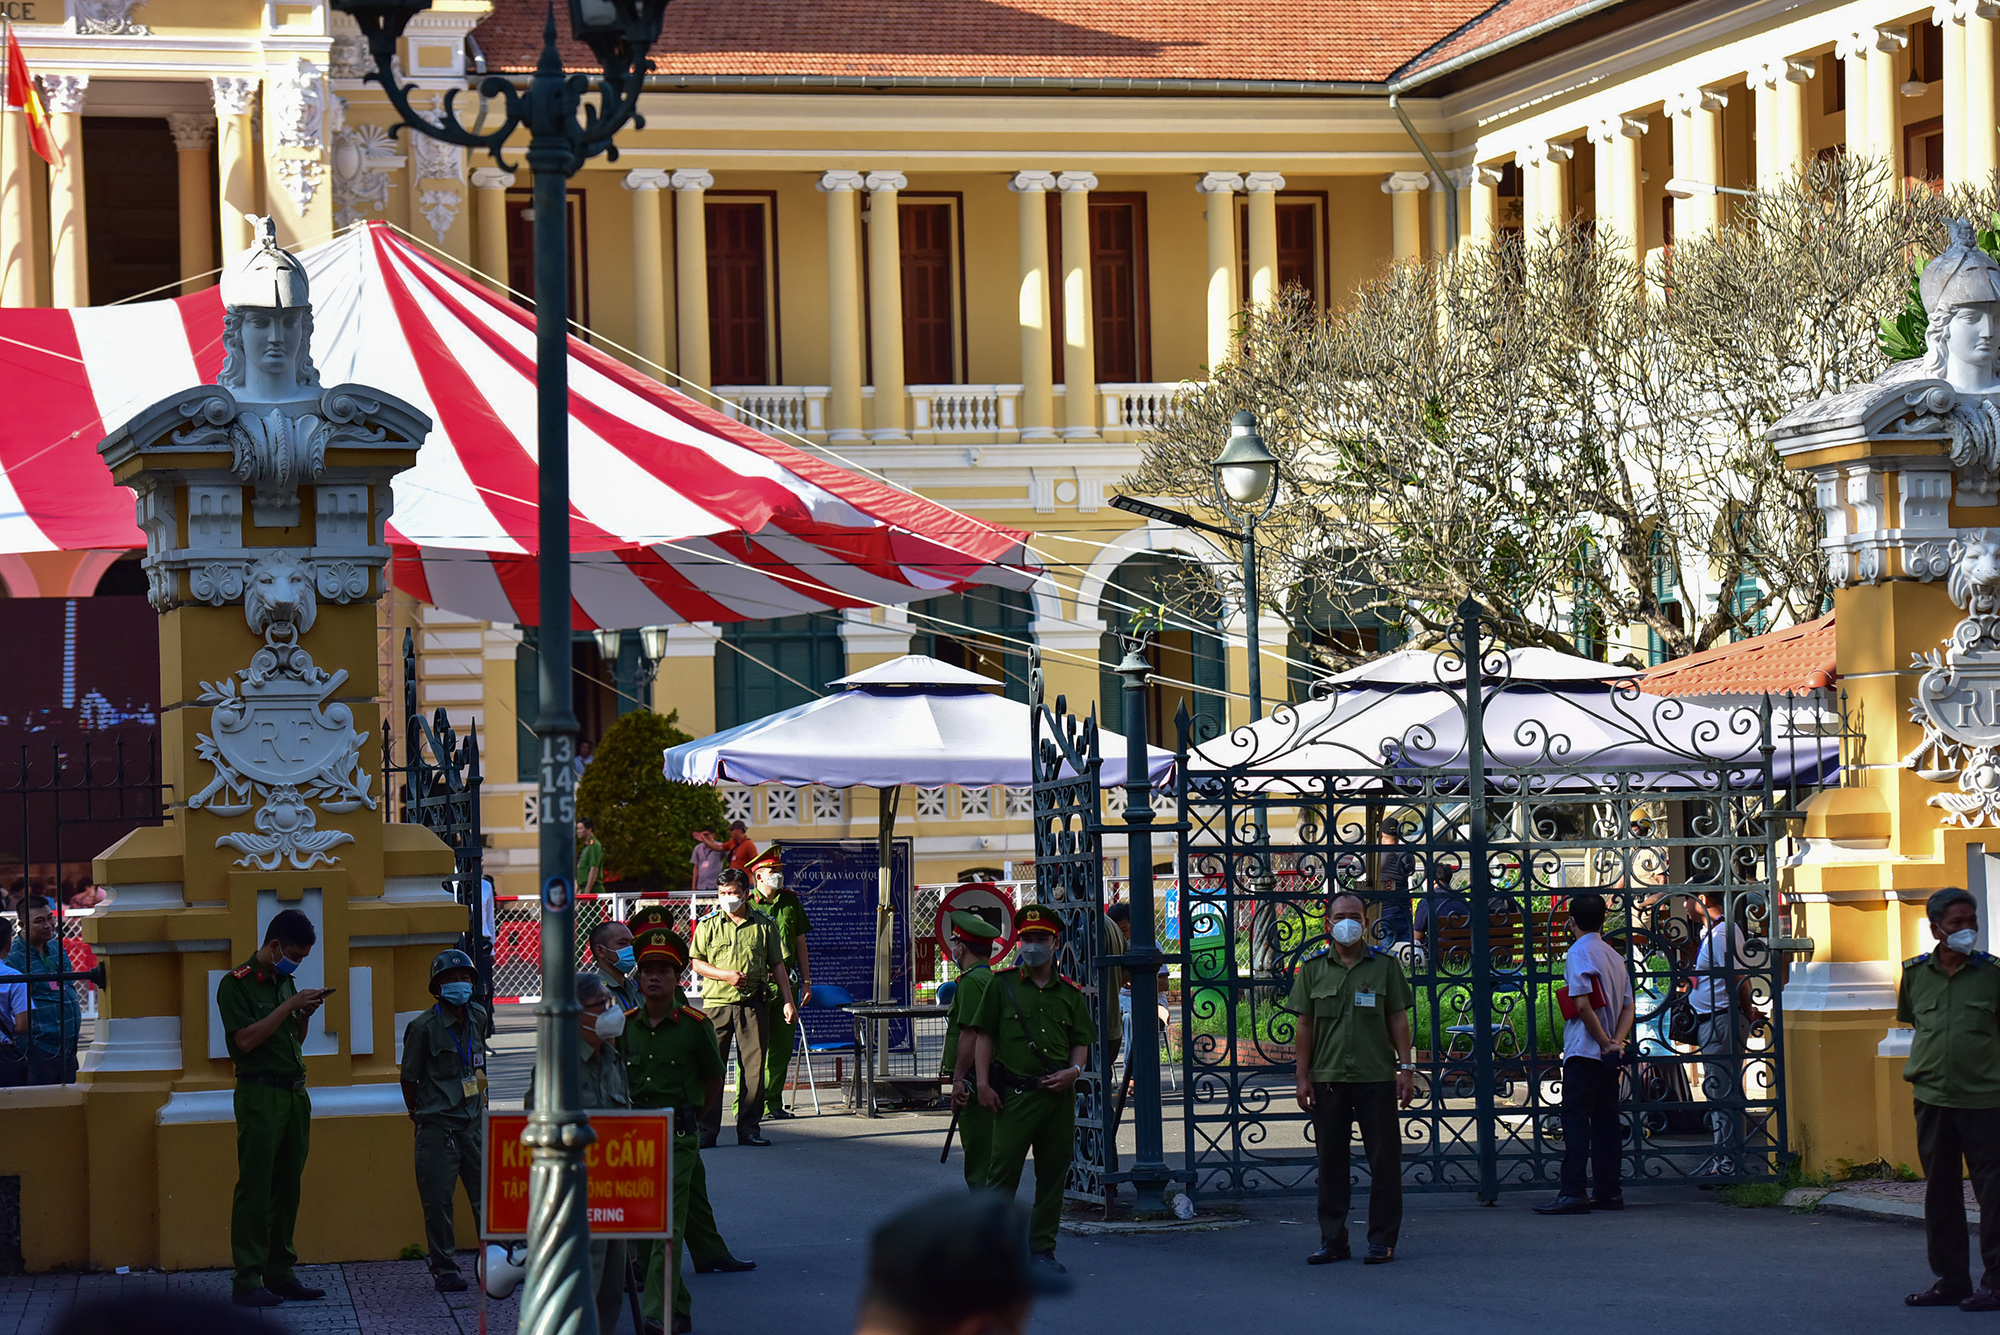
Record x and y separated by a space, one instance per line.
912 720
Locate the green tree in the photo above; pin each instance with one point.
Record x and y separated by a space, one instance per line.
645 822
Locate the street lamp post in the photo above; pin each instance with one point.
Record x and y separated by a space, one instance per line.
1245 490
1149 1174
563 133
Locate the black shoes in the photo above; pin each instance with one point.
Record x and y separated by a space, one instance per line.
449 1282
1607 1202
1981 1300
728 1265
683 1323
1048 1258
294 1292
780 1115
707 1141
256 1298
1936 1296
1328 1255
752 1139
1565 1205
1379 1255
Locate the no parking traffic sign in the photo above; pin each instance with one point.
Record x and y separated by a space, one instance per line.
989 901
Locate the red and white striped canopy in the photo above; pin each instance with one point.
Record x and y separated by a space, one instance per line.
677 513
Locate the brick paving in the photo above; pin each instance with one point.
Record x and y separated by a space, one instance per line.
362 1298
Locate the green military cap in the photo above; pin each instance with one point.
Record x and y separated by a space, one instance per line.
650 915
968 924
660 943
954 1256
1038 918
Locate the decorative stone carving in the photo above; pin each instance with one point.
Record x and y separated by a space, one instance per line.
349 58
276 736
106 18
301 178
65 92
1958 699
362 158
436 160
440 209
234 95
192 133
298 104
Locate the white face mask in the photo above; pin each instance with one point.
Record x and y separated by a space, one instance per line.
1034 954
610 1024
1962 941
729 903
1346 931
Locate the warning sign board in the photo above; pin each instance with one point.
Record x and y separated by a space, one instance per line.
989 901
630 1171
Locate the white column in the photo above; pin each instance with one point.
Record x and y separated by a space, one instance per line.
1483 216
1466 181
1625 182
885 303
649 267
1221 188
691 185
1557 206
1780 114
237 159
1982 146
1851 50
69 247
1263 188
1885 66
1533 160
1604 155
843 280
17 225
194 140
1038 375
1406 214
489 216
1079 329
1950 17
1697 124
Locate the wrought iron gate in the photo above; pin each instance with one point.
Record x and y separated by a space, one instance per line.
1466 856
1069 877
440 791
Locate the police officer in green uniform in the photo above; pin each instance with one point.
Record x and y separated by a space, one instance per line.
672 1061
784 908
972 939
705 1244
736 952
264 1018
1353 1009
1951 999
444 1071
1035 1033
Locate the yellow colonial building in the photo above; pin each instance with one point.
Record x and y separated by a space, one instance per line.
975 249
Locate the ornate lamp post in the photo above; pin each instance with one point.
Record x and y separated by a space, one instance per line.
563 133
1149 1174
1245 474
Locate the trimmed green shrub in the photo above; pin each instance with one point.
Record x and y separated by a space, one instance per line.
645 823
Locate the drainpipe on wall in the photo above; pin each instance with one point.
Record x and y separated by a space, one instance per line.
1438 171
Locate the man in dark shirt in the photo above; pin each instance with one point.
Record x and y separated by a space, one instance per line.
264 1018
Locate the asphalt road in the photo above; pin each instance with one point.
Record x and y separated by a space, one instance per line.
1676 1259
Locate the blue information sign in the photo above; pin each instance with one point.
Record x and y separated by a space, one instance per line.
836 880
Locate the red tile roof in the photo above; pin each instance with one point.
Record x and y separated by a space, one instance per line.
1286 40
1797 658
1497 23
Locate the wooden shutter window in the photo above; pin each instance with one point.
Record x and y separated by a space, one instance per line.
738 294
926 246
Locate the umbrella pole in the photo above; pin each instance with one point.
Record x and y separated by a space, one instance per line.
885 904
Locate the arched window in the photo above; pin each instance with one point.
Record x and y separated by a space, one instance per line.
1188 653
762 667
1348 618
984 630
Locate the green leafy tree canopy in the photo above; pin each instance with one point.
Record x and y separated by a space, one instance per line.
645 822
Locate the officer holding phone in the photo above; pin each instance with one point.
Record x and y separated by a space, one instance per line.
264 1018
444 1080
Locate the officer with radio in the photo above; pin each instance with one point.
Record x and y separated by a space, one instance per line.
1034 1036
444 1073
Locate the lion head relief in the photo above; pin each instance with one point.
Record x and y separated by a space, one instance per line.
279 592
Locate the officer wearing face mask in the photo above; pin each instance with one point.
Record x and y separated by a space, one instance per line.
444 1079
740 959
1354 1066
1950 997
611 951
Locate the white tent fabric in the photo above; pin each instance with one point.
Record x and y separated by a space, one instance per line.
913 720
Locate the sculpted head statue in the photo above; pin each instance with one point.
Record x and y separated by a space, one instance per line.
279 593
1961 290
267 324
1975 571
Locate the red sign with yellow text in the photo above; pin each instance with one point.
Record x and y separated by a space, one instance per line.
629 1169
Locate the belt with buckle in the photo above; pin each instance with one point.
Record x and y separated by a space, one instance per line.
273 1081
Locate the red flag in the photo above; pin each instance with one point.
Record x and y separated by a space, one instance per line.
21 92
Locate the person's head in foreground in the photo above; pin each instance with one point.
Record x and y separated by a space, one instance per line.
953 1264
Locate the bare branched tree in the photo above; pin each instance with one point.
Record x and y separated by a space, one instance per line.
1577 446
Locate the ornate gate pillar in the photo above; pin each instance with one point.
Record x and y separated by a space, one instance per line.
1907 473
263 499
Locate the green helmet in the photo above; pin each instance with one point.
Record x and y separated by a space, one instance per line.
446 961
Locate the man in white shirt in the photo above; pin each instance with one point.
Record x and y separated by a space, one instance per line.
1597 1019
1718 965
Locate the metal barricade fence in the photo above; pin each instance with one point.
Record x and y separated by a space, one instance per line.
517 933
